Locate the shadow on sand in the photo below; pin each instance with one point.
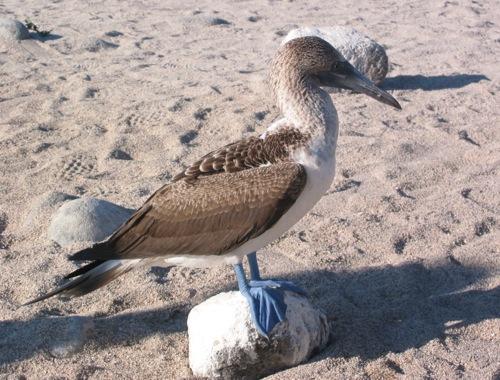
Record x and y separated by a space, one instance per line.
124 329
42 38
430 83
374 311
394 308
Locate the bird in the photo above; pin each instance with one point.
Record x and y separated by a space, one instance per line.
242 196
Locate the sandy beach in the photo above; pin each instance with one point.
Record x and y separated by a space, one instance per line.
402 253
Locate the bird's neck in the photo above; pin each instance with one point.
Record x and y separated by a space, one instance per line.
308 107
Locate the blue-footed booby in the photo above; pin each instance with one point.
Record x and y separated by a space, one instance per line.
237 199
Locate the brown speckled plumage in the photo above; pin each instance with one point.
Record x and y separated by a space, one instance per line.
247 153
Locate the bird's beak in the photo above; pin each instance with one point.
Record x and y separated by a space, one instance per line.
346 76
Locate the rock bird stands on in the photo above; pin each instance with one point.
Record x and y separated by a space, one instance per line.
242 196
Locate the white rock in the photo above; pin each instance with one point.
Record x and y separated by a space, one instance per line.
86 220
361 51
223 342
13 30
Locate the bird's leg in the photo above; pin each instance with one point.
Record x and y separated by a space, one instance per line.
256 280
265 297
254 267
267 306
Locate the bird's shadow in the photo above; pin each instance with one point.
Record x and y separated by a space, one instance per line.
373 311
45 333
43 38
393 308
430 83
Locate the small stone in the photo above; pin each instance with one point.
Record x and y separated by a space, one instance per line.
95 45
42 147
361 51
113 33
43 87
212 21
44 128
89 93
119 154
86 220
223 342
13 30
254 18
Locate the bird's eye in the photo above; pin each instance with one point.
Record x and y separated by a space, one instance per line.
335 66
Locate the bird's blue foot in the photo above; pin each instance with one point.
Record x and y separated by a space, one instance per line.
265 297
277 285
256 280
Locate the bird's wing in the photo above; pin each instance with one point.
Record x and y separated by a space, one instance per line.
210 215
247 153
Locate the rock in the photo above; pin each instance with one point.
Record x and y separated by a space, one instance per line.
86 220
94 45
119 154
361 51
254 18
44 205
213 21
113 33
13 30
223 341
89 93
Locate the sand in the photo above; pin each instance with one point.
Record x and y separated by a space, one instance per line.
402 253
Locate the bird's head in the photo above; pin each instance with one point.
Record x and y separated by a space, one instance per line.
316 59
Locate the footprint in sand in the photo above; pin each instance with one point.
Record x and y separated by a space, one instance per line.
78 165
150 115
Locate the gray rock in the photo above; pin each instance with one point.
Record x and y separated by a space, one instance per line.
86 220
89 93
95 45
13 30
213 21
361 51
223 342
43 206
113 33
119 154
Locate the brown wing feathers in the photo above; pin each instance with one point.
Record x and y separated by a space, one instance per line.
245 154
211 216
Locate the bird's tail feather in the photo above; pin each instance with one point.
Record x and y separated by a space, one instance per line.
90 277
